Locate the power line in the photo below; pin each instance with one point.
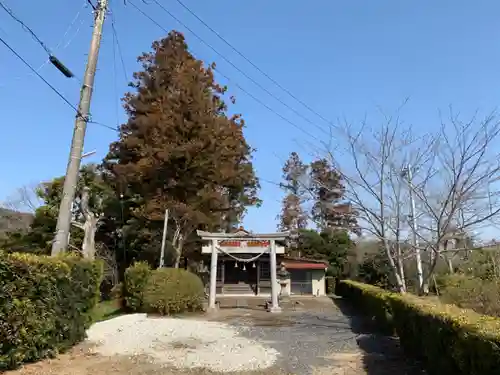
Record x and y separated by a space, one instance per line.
52 59
233 82
266 106
117 47
117 42
115 129
71 24
25 27
58 93
238 68
39 76
252 63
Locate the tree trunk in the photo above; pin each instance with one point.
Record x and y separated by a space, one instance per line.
89 228
177 245
450 265
400 281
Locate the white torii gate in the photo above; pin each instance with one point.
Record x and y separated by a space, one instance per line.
244 237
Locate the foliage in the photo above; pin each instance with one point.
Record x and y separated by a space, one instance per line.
445 338
375 270
330 285
293 216
180 149
45 305
330 211
171 290
332 247
41 231
135 280
13 221
468 291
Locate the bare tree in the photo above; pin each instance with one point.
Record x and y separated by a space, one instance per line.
458 191
455 184
24 199
375 187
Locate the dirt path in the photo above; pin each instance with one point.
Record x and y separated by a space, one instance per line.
315 337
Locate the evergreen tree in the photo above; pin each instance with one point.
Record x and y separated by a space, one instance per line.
330 211
180 150
293 217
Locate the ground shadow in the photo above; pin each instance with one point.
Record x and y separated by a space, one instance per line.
380 353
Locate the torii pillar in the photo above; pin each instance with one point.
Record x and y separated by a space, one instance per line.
214 239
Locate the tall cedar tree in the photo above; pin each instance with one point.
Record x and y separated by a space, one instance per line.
330 211
179 149
293 217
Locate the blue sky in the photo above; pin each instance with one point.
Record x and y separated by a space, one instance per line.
342 58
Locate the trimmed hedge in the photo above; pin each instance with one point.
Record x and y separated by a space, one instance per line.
163 291
172 290
45 305
135 281
445 338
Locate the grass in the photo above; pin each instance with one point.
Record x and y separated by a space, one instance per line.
106 310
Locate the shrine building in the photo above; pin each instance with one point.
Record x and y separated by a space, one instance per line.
248 264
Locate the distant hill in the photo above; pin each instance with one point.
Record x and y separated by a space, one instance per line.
13 220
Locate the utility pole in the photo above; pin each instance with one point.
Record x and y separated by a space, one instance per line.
61 239
408 173
164 240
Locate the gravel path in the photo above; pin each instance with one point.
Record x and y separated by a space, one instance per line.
181 343
305 340
317 338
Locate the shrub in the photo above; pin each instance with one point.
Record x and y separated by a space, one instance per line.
45 305
471 292
171 290
136 279
446 338
330 284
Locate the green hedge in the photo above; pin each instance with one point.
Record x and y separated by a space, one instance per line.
171 291
163 291
45 305
447 339
136 278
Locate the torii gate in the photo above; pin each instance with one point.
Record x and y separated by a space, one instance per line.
270 248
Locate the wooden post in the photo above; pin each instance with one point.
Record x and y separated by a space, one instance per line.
258 276
223 275
213 276
275 308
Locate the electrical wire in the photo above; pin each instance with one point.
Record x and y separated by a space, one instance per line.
238 68
117 48
68 28
115 81
118 45
39 76
233 82
58 93
25 27
277 84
